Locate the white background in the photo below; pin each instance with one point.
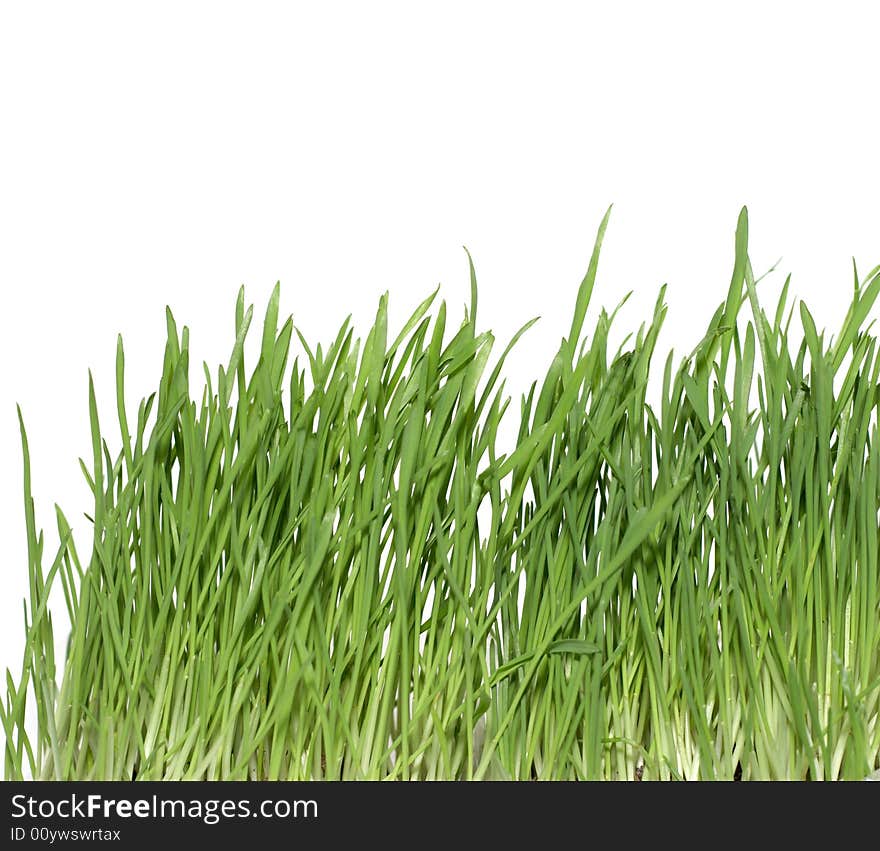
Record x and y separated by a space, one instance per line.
165 153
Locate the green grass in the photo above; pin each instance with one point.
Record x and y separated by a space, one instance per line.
330 567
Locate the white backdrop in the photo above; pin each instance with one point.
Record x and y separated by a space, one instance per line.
167 153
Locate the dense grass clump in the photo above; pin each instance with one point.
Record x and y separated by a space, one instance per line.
330 568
